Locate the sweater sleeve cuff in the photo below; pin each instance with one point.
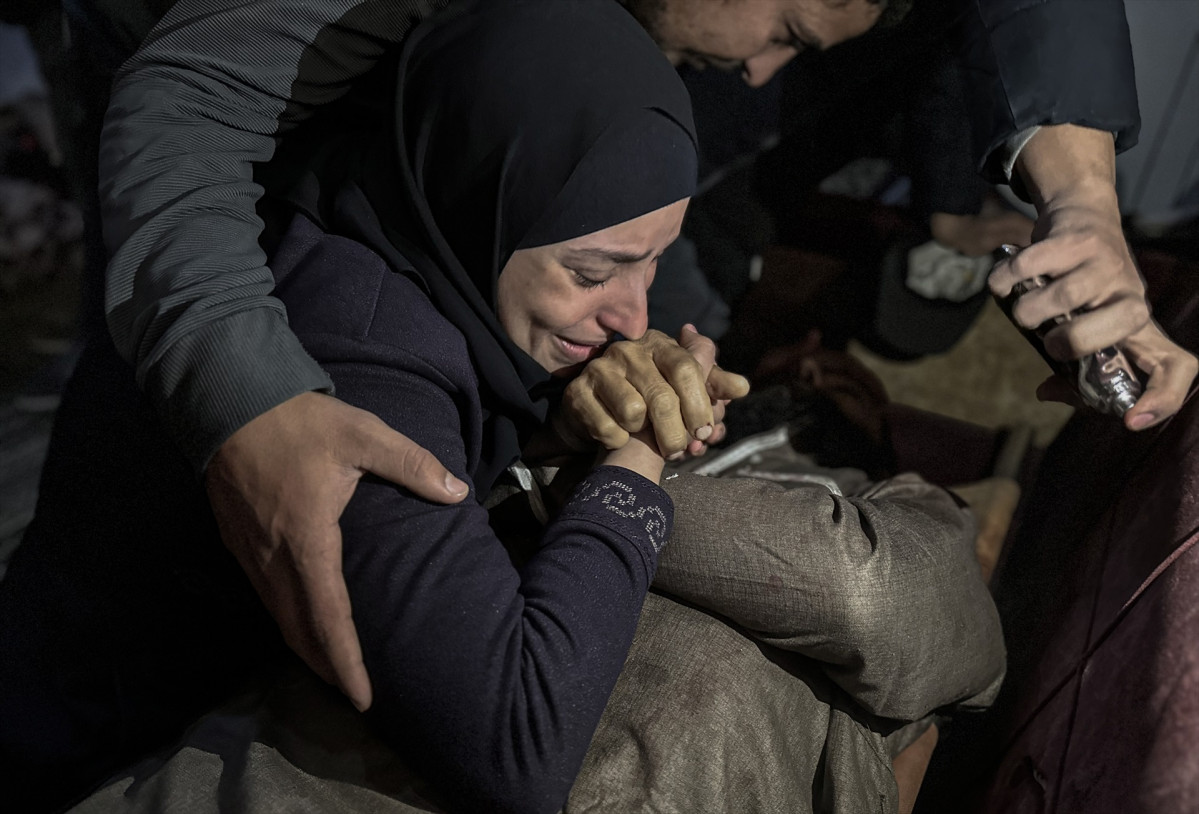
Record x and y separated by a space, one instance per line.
216 379
636 508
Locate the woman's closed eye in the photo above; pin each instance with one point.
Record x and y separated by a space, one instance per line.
590 279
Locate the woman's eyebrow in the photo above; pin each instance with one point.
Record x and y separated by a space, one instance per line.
611 255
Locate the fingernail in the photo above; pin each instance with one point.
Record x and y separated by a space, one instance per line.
454 486
1140 422
678 456
703 433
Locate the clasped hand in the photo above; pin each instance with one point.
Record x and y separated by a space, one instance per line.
672 391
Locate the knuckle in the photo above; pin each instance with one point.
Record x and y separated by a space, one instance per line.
609 434
1019 267
1188 367
616 356
419 463
671 441
632 414
997 284
596 370
700 344
578 398
687 366
670 357
1024 313
662 401
574 390
1068 293
590 418
653 337
1138 313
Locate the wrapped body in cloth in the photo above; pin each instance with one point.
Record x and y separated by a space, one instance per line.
804 625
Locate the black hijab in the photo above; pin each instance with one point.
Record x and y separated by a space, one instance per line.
517 123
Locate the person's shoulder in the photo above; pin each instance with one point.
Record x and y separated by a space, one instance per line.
405 318
343 299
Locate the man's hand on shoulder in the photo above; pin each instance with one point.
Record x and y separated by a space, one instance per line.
278 487
1078 243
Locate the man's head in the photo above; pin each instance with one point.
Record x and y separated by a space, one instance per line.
756 37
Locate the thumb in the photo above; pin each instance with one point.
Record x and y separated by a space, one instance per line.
396 457
1171 371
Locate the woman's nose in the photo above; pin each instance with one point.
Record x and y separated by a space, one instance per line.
626 310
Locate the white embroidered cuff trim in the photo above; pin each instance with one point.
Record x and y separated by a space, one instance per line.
618 498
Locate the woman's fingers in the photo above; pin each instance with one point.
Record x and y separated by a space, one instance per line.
686 365
670 382
663 405
588 417
655 380
616 395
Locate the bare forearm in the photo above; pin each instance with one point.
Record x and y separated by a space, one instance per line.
1067 162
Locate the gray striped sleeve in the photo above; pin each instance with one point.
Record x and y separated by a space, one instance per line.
188 293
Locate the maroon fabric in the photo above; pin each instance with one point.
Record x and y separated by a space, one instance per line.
1102 713
1100 599
1099 594
1133 744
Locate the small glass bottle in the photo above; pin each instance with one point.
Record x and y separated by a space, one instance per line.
1105 380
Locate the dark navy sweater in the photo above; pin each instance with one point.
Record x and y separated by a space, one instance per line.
122 615
495 675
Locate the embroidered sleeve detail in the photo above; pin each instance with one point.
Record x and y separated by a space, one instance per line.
620 499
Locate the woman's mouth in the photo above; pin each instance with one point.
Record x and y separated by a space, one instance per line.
579 351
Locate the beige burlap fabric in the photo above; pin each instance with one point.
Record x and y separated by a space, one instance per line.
792 634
